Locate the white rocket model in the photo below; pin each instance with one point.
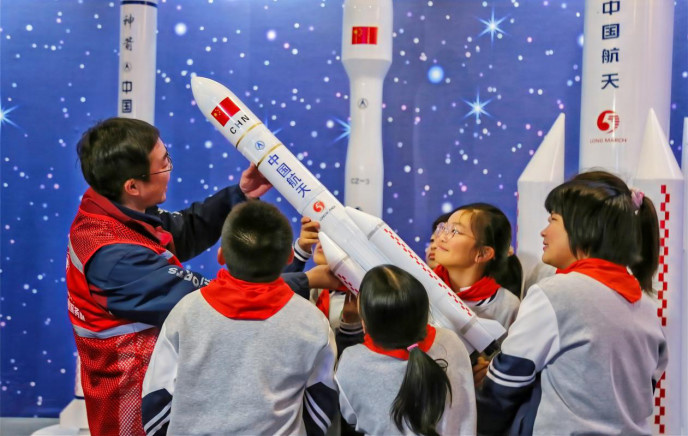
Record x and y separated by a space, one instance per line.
137 46
626 71
659 177
353 241
366 55
544 172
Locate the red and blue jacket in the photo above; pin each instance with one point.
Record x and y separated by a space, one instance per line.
124 276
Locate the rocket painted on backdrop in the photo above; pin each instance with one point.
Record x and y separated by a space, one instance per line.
135 99
626 71
137 48
544 172
367 56
353 241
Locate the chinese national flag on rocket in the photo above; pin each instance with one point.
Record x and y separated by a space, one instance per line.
224 110
220 116
364 35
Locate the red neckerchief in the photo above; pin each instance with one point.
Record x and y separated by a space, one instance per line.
610 274
323 302
480 290
402 353
94 203
238 299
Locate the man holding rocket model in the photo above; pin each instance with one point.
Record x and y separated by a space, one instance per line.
123 266
352 240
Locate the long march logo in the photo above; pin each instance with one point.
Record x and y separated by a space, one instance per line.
608 121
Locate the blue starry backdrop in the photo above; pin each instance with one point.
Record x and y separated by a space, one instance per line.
473 88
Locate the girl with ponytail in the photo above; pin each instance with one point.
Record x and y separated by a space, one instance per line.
475 261
586 349
407 377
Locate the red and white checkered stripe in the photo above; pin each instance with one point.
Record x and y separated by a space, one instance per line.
663 270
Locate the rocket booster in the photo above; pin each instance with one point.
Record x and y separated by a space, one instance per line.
367 56
659 177
353 241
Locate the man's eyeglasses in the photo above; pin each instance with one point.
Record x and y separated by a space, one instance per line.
448 230
169 164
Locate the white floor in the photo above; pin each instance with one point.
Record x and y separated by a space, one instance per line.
24 426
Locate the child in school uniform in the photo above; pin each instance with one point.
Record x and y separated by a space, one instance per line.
407 377
473 257
586 349
243 355
432 245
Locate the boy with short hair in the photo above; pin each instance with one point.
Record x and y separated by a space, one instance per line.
243 355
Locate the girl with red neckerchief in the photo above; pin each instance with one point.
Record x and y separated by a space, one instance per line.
586 349
473 260
407 376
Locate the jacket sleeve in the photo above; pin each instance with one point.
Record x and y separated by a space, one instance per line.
296 265
158 385
199 226
345 371
348 334
532 342
345 408
298 282
662 362
320 398
135 283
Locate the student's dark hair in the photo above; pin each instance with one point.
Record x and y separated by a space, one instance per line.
256 242
491 228
440 219
602 222
394 307
512 278
114 151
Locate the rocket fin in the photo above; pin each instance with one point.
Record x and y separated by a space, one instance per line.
656 160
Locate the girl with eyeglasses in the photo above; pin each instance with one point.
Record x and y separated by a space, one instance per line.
473 253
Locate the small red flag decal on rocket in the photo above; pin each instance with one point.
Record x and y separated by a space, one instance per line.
364 35
220 116
226 109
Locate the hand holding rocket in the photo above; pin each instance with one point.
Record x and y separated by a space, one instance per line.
353 241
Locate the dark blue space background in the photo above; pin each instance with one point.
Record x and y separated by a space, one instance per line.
59 75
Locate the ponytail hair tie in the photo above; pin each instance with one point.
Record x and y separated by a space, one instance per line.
637 197
411 347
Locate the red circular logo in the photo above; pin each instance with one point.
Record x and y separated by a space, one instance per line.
318 206
608 121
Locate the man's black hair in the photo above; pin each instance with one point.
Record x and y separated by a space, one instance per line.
114 151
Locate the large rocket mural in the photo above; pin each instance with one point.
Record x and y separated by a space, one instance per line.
137 54
366 55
